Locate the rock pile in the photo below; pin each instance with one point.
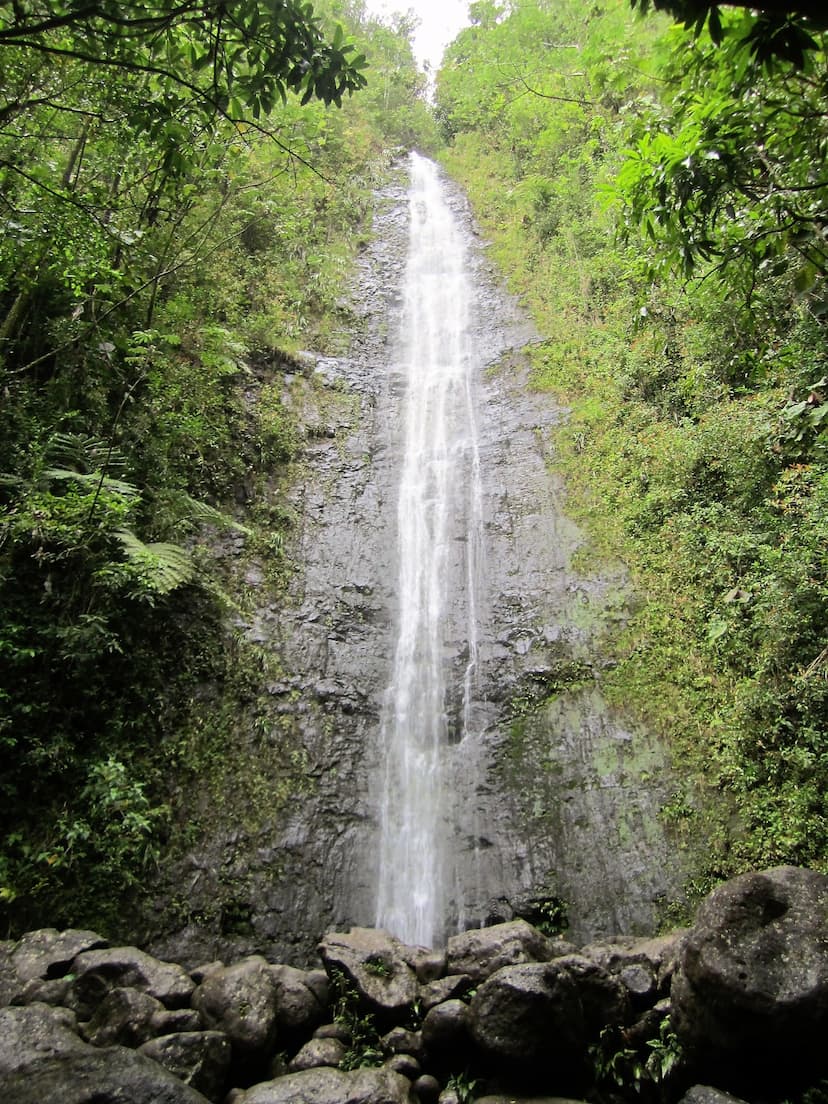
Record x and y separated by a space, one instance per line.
738 1003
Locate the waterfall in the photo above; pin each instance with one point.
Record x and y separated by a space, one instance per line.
439 548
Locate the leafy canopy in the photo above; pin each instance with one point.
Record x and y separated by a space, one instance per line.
225 59
776 30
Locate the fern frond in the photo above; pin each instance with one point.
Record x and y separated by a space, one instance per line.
163 566
93 479
174 507
201 511
83 453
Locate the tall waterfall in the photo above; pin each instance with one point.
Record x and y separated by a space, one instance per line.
439 545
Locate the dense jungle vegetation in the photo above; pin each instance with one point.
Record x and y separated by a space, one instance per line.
182 192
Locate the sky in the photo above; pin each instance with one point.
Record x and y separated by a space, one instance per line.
440 20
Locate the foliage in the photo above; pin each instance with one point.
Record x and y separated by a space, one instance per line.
728 172
463 1086
779 31
642 1070
205 59
365 1046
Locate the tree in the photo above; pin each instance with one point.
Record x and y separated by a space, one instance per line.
728 177
224 59
777 29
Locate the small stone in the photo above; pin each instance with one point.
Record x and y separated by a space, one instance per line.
401 1041
427 1088
406 1064
447 988
316 1053
332 1031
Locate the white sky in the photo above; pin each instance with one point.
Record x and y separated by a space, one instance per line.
440 20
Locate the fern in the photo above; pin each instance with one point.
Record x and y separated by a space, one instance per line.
162 566
94 480
83 454
201 511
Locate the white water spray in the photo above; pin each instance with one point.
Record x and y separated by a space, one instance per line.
440 556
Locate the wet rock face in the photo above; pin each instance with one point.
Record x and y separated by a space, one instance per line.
549 797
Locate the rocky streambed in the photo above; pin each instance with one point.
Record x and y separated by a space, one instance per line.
738 1003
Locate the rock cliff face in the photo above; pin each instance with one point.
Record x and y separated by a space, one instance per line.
554 797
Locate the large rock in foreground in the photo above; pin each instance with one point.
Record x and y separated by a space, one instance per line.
240 1002
332 1086
42 1061
480 952
529 1017
375 964
751 988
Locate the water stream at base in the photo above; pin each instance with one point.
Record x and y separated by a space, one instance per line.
439 512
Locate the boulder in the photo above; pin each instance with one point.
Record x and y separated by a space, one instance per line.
751 988
240 1001
428 965
426 1088
96 972
528 1018
449 1096
604 999
9 979
36 1032
706 1094
332 1031
406 1064
42 1061
200 1059
113 1075
374 963
298 1007
125 1017
316 1053
399 1040
332 1086
510 1099
318 983
446 988
640 981
479 953
620 956
446 1028
199 973
49 953
41 991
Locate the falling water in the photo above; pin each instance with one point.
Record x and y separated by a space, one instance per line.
439 551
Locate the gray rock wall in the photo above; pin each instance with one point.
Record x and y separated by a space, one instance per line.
553 796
